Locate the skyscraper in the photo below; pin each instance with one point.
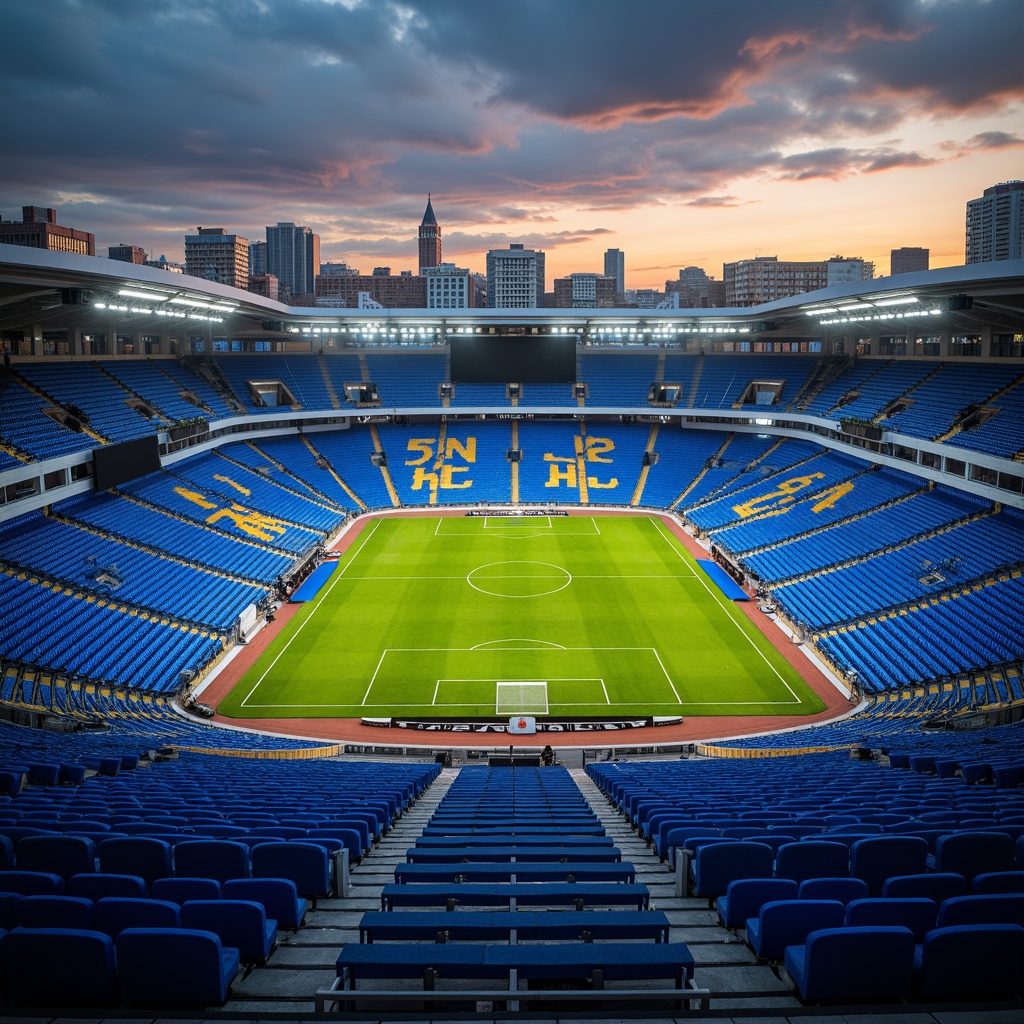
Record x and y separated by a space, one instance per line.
615 266
257 259
429 239
214 255
995 224
293 256
515 277
908 260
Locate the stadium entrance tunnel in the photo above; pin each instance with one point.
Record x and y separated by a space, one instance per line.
519 579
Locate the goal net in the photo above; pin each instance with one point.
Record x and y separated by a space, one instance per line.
521 699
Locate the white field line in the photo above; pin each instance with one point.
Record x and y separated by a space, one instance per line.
318 600
725 606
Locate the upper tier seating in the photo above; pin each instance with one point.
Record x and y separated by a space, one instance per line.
301 375
186 540
101 399
919 514
80 558
25 425
408 379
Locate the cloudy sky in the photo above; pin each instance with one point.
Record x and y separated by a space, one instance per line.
680 131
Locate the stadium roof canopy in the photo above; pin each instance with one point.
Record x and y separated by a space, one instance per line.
37 285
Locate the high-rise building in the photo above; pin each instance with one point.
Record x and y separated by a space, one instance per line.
257 259
615 266
293 257
127 253
449 287
38 229
515 277
908 260
585 291
995 224
429 239
214 255
767 278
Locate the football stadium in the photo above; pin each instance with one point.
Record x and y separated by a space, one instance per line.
426 664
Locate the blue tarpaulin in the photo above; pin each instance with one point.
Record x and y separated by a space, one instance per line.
725 583
314 581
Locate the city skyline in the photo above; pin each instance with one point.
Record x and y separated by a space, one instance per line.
680 134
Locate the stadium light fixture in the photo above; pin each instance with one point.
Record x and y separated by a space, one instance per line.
896 302
130 293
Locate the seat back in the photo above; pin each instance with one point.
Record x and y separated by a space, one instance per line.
996 882
279 897
174 965
33 959
54 912
180 890
996 908
875 860
812 858
744 898
60 855
857 964
31 883
145 856
306 864
239 923
845 890
937 886
115 913
220 859
100 884
966 853
913 912
718 864
972 961
783 923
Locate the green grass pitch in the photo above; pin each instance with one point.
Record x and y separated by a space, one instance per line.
426 617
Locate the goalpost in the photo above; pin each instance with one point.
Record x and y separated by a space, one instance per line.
519 698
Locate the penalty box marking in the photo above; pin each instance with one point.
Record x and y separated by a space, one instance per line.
647 703
476 650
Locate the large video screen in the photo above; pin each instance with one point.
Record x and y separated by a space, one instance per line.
114 464
503 359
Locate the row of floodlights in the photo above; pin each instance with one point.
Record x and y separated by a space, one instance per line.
611 332
851 311
198 309
879 316
162 312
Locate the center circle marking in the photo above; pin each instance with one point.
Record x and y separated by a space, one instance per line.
519 579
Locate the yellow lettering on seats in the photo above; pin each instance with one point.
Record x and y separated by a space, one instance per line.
231 483
423 445
776 500
829 498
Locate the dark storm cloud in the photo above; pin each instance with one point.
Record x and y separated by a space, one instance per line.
141 120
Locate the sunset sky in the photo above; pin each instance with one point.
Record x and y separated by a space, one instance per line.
681 132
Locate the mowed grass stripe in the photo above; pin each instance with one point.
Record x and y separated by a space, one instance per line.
393 630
